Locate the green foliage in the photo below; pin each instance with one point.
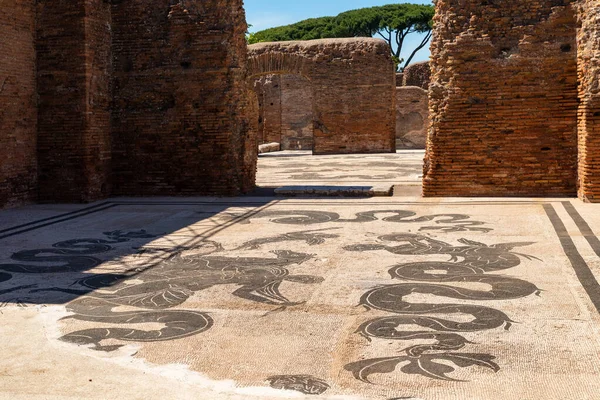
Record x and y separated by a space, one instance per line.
393 23
314 28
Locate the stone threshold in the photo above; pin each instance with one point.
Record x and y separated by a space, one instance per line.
335 191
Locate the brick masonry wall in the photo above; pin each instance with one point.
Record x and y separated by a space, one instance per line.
182 117
353 85
417 74
18 108
503 100
73 77
588 39
268 91
296 113
285 111
412 117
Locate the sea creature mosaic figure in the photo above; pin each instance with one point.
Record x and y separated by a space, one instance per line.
306 384
470 262
155 290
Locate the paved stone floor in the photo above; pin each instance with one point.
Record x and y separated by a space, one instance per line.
265 298
302 169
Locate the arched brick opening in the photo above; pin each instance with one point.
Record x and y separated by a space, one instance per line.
274 62
353 89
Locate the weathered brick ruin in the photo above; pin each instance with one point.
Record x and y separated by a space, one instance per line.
353 92
124 98
18 116
156 97
285 104
417 74
412 117
504 99
412 106
588 56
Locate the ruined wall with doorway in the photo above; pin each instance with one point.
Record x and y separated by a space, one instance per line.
503 99
285 111
18 103
352 87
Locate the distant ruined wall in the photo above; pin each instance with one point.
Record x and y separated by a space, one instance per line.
412 117
352 84
588 39
286 111
503 99
18 105
181 116
268 92
417 74
297 104
412 106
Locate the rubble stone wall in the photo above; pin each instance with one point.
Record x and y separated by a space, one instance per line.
353 89
503 99
18 105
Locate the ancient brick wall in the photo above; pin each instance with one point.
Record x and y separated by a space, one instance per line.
73 70
297 104
412 117
503 99
417 74
181 112
268 91
18 109
588 39
353 87
285 111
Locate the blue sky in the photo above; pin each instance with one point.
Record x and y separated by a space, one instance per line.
263 14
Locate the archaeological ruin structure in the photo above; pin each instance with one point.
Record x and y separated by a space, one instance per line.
514 99
412 106
285 106
103 98
131 98
340 89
